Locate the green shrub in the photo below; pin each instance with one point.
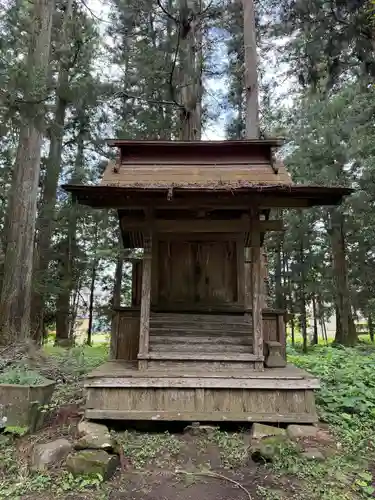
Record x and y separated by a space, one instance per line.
347 393
21 376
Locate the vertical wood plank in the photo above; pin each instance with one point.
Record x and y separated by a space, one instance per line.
240 250
281 332
144 332
257 291
114 335
155 271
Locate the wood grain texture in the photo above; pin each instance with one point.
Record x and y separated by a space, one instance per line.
256 268
128 369
202 403
203 382
200 226
194 173
214 416
146 297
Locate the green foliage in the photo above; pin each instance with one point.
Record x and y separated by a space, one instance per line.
232 447
347 395
16 430
21 375
78 361
144 448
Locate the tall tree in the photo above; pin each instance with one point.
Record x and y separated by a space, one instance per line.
18 262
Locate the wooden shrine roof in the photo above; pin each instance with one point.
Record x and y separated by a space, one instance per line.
240 172
282 196
195 164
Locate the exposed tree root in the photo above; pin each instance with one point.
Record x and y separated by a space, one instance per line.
217 476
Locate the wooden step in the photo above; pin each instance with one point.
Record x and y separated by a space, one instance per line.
198 332
184 339
201 356
201 348
200 326
204 318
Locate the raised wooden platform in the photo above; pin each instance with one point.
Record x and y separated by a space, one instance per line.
118 390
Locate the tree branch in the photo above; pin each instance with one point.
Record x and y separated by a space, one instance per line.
166 12
149 101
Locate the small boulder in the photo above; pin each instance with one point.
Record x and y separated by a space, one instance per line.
268 448
260 431
302 431
90 462
195 429
45 455
313 454
86 427
94 437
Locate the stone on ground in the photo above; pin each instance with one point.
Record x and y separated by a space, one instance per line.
90 462
302 431
94 437
45 455
195 429
86 427
268 449
313 454
260 431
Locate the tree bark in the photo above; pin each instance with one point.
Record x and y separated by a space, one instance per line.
251 74
67 264
302 287
18 262
370 325
44 224
92 284
345 328
190 58
315 339
91 304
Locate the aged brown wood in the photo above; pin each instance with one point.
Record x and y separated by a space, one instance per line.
281 332
198 226
203 382
125 334
127 369
197 353
146 297
201 417
114 335
256 268
200 356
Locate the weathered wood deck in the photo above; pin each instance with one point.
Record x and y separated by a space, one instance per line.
118 390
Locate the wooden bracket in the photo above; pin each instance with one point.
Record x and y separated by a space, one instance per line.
116 166
274 164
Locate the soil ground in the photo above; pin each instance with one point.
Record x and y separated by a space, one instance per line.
166 465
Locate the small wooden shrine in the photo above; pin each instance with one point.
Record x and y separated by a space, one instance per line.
198 342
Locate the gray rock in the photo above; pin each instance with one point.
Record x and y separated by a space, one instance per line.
313 454
86 427
94 437
268 449
260 431
45 455
90 462
95 442
195 429
302 431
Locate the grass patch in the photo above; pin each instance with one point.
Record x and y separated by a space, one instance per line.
142 449
346 401
21 375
